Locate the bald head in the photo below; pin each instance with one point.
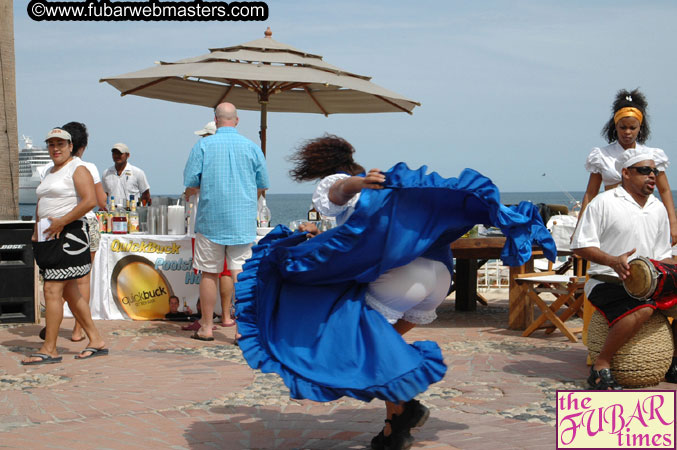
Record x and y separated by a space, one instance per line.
226 115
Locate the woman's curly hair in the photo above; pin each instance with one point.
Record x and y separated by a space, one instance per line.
634 99
323 156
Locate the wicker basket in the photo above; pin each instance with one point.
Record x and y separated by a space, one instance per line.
644 359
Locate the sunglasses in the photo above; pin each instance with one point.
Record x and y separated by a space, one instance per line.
645 170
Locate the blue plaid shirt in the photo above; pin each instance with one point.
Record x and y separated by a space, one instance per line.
228 169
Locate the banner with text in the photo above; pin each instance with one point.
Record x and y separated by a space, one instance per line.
144 271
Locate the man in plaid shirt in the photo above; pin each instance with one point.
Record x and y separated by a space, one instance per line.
230 173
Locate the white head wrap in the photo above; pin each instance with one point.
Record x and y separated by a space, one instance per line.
633 156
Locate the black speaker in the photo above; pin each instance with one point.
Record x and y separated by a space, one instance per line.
17 276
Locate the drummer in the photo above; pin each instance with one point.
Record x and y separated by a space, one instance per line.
620 225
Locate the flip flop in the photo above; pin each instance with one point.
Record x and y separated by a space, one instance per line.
44 359
201 338
93 352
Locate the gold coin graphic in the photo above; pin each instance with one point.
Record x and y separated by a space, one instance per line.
140 291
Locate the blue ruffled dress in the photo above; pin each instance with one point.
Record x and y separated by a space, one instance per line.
300 303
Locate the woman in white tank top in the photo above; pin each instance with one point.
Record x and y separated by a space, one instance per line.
79 138
61 246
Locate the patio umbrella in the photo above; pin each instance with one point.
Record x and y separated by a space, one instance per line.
263 75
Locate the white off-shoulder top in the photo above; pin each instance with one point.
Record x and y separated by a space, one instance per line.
326 207
603 161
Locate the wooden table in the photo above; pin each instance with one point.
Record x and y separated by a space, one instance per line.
468 251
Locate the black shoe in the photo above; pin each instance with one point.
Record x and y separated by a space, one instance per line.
671 375
414 415
602 380
396 441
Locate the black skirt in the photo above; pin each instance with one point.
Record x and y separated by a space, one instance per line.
68 256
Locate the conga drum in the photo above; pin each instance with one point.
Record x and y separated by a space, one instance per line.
652 280
643 279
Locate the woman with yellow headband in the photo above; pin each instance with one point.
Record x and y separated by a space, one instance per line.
627 128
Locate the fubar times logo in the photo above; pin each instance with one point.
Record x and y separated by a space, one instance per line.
616 419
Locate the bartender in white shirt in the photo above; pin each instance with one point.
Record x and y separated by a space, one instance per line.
124 179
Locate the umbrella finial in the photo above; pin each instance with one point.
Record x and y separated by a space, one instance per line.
268 33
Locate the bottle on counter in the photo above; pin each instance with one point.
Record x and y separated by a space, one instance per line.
188 217
130 201
102 218
109 218
119 222
133 221
191 213
313 215
264 213
259 202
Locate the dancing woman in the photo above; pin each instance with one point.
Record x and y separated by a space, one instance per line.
328 313
407 295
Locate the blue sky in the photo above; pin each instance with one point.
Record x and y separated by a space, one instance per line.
513 89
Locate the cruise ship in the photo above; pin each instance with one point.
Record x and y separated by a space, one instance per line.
30 159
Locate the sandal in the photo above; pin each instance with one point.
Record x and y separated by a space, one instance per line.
44 359
606 380
93 351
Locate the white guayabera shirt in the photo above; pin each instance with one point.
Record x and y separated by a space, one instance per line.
615 223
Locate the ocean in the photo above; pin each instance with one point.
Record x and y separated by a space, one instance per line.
285 208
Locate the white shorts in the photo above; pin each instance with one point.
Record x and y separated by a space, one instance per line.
410 292
209 256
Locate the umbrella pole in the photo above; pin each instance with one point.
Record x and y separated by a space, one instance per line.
263 101
264 126
262 133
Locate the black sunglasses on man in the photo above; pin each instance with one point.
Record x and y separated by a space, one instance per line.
645 170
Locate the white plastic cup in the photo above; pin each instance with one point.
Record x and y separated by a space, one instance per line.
153 212
162 224
176 222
